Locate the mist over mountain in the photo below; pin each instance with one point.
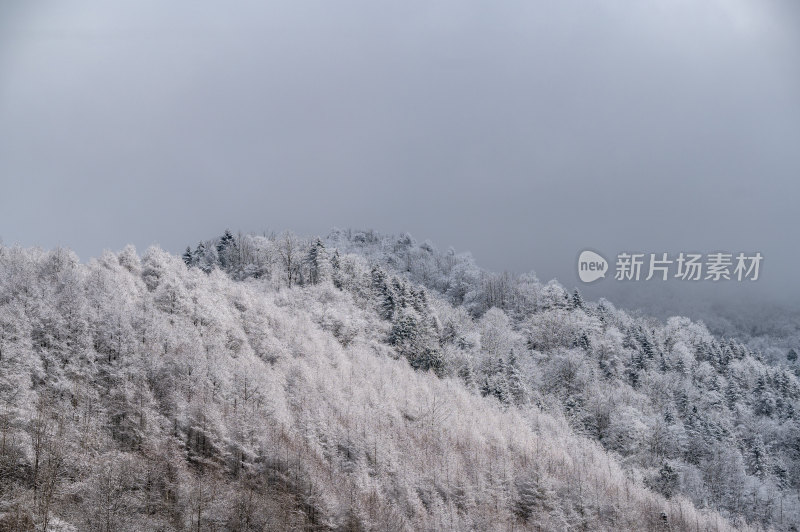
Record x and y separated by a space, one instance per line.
768 324
522 131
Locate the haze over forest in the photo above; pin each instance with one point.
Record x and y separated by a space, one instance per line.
522 132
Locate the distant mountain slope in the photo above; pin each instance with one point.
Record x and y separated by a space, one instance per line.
139 394
689 413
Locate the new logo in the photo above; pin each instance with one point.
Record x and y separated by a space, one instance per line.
591 266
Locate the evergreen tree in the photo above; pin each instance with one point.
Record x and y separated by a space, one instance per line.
531 499
516 384
791 356
697 446
682 401
647 349
759 460
583 342
419 300
577 299
790 413
227 251
336 269
499 382
732 394
188 257
635 367
783 383
317 262
486 386
198 253
428 359
602 311
630 341
204 257
666 482
384 293
405 330
680 366
378 279
401 291
633 376
467 374
387 303
724 355
763 397
782 475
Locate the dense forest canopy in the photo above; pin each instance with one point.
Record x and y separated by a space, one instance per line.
370 382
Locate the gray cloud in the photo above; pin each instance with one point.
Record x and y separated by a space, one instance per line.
523 131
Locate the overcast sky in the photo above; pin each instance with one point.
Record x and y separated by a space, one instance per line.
522 131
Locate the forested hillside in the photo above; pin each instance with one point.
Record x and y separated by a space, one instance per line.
368 382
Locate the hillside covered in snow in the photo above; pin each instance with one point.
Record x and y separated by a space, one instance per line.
369 382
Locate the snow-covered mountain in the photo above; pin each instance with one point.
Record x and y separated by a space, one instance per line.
369 382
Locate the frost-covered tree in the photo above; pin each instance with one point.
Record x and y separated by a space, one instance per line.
228 251
336 269
577 299
289 250
205 257
188 257
318 262
516 383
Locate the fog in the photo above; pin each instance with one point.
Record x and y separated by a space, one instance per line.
521 131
